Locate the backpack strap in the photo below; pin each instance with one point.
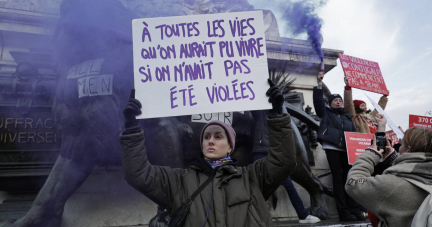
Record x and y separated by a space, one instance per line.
423 216
179 216
202 186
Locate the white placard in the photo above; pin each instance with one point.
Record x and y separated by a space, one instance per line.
390 123
201 63
226 117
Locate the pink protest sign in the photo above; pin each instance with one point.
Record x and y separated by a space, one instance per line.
363 74
356 143
420 121
391 135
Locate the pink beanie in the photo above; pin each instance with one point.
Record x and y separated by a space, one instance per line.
228 130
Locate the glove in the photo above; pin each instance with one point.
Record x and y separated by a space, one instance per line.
132 109
276 98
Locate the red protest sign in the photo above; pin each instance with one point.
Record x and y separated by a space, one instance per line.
356 143
391 135
363 74
420 121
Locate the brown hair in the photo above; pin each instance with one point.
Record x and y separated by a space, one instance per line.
359 111
419 139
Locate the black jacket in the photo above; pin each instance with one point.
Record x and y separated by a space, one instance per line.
261 137
333 124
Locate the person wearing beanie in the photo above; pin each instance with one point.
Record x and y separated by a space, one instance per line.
364 121
214 156
234 195
334 122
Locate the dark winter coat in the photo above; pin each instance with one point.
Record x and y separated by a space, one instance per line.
333 124
238 193
261 137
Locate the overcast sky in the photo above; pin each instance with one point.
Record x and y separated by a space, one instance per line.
395 33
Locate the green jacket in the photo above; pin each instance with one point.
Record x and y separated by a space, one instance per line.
239 193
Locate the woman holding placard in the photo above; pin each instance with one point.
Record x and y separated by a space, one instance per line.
213 191
363 119
334 122
401 195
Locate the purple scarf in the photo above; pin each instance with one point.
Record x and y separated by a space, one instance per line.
219 162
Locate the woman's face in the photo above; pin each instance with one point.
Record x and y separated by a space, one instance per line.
336 103
215 143
404 147
363 107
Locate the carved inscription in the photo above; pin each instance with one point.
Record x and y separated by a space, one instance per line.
27 131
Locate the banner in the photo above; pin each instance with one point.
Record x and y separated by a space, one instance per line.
210 63
363 74
356 143
391 135
390 123
420 121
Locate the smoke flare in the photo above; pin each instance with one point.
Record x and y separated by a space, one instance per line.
300 17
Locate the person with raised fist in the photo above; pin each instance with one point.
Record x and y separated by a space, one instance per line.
334 122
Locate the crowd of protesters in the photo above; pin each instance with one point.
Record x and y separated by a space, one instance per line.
399 195
394 185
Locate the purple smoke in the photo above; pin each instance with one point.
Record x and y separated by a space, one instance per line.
300 17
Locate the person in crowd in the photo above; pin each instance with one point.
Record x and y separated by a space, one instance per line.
363 119
236 195
260 150
334 122
364 122
396 195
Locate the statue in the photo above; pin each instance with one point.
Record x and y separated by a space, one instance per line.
95 74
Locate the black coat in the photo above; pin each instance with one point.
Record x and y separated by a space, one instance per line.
261 137
333 124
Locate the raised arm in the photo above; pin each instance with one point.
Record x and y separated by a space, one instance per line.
159 183
361 186
382 103
318 99
270 171
348 101
368 191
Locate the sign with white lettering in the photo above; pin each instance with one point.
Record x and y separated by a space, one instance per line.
363 74
391 135
202 63
356 143
420 121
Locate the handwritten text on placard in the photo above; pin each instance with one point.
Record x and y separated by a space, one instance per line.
201 63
